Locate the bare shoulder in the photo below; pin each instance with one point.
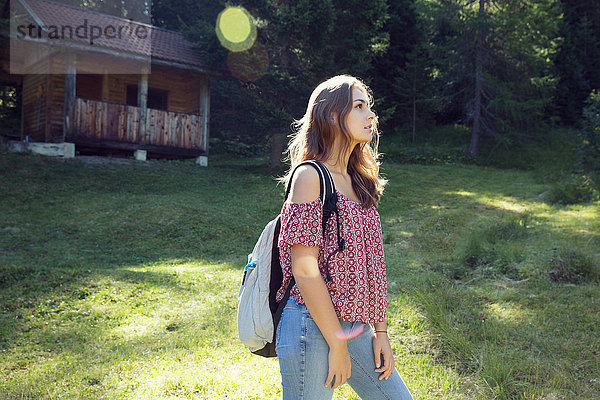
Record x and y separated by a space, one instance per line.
305 185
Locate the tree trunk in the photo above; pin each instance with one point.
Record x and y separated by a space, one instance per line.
414 127
476 132
277 147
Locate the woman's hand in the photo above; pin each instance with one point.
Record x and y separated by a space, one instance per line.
381 347
339 365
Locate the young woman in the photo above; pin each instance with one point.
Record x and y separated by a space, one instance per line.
333 331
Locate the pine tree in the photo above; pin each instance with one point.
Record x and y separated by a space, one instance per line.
400 73
495 62
578 58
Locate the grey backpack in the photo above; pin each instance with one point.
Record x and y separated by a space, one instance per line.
258 311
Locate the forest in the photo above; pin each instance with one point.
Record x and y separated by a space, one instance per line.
495 75
504 71
485 77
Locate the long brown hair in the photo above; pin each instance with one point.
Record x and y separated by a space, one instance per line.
314 137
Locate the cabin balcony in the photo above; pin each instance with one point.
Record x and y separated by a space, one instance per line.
111 125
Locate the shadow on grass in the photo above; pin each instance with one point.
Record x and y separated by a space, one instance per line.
127 309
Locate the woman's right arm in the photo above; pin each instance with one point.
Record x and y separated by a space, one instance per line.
305 268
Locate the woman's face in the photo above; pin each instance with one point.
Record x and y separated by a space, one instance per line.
360 119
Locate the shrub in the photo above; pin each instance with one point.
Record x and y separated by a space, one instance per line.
572 267
572 190
493 249
236 147
424 155
437 233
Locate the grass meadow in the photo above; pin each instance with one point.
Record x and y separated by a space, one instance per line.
119 281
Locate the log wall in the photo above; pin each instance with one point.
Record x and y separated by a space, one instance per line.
35 107
99 120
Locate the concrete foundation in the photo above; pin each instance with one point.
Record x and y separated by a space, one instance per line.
140 155
65 150
202 161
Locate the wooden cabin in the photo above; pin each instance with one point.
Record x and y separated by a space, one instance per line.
130 94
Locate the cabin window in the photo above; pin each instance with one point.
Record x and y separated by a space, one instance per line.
132 95
156 98
89 86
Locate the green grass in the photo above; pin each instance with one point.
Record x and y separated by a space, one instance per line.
120 281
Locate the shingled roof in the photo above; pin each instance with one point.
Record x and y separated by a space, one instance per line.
153 41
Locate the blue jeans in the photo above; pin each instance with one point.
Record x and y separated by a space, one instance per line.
303 360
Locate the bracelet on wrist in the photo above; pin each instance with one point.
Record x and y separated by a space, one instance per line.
380 331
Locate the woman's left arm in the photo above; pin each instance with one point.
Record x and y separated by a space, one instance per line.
381 342
382 348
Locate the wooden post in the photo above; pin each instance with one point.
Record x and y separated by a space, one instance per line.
476 131
48 134
105 87
204 115
70 93
414 127
277 147
143 104
23 113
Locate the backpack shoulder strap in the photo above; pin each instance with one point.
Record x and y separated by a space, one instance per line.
329 198
326 186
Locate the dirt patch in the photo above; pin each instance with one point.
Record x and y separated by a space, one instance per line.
106 161
102 160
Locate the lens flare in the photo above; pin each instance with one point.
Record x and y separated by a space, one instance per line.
350 333
249 65
236 29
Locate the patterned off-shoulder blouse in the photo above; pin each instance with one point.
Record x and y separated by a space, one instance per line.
358 286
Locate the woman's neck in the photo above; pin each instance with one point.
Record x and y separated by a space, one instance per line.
337 168
338 162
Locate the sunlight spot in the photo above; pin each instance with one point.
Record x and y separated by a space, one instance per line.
209 373
572 219
142 326
463 193
509 313
509 204
586 232
504 202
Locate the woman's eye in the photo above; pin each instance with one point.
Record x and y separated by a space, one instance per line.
359 105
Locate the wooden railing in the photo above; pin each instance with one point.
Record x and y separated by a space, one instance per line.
99 120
